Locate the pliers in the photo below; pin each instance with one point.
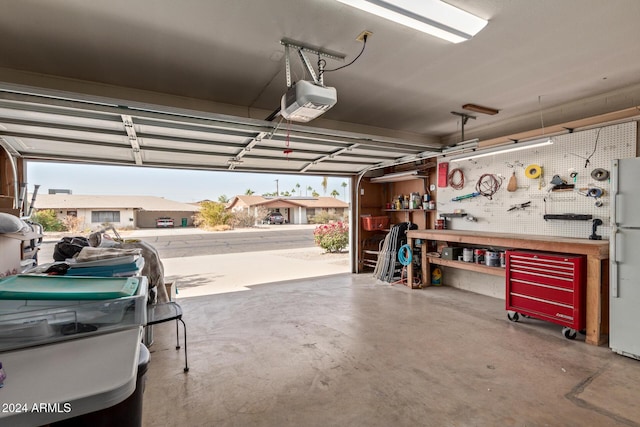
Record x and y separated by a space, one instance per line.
519 206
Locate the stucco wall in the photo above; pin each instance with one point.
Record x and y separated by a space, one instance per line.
127 217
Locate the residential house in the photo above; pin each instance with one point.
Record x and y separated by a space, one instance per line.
119 211
296 210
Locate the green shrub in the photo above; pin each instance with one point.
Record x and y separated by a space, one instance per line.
48 219
332 237
212 214
324 217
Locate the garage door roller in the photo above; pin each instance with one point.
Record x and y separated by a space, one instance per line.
533 171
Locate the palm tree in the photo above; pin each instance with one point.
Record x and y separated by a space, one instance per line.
298 187
249 192
334 193
293 191
344 185
315 193
309 188
223 199
285 193
324 183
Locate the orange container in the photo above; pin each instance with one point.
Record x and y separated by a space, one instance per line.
371 223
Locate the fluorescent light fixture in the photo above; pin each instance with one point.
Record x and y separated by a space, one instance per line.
461 146
433 17
398 176
516 146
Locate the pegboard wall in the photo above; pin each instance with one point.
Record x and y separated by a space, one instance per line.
569 153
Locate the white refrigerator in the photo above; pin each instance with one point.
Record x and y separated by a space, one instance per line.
624 255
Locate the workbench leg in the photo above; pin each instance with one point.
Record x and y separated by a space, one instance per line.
426 265
594 302
410 266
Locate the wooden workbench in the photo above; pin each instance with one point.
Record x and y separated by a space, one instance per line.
597 252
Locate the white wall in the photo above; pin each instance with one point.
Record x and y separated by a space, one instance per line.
126 217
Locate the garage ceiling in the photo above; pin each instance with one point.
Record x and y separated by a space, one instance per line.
189 84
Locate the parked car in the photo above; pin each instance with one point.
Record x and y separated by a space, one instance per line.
164 222
274 218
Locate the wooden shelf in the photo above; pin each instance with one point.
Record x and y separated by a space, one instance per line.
479 268
453 215
409 210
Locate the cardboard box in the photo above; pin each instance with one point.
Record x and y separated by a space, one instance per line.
14 212
451 253
6 202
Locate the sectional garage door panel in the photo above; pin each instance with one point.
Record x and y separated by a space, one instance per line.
47 125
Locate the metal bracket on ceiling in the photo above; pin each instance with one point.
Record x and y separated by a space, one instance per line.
301 48
465 118
133 138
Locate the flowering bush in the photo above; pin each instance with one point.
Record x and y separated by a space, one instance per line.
332 237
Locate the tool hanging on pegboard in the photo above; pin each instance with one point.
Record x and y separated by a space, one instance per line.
466 196
443 174
600 174
519 206
456 179
595 192
559 184
533 171
488 184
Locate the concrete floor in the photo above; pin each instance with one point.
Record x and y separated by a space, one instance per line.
345 350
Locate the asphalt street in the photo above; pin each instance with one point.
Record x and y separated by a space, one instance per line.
229 242
181 243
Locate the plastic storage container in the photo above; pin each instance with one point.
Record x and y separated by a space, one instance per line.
372 223
26 322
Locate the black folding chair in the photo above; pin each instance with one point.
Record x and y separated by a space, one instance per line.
165 312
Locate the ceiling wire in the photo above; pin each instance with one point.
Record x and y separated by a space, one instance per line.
323 62
587 160
540 110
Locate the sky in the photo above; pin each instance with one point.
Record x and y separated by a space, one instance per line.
179 185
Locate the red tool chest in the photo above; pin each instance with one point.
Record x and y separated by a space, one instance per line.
547 286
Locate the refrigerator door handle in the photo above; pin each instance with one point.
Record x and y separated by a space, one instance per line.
613 240
613 263
614 193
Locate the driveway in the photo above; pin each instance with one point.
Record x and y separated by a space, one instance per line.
197 274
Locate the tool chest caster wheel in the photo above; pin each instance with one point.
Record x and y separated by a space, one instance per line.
513 316
569 333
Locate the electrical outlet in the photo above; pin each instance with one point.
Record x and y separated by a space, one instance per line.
361 36
362 191
432 187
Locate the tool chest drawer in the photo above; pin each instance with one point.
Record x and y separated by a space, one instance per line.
547 286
